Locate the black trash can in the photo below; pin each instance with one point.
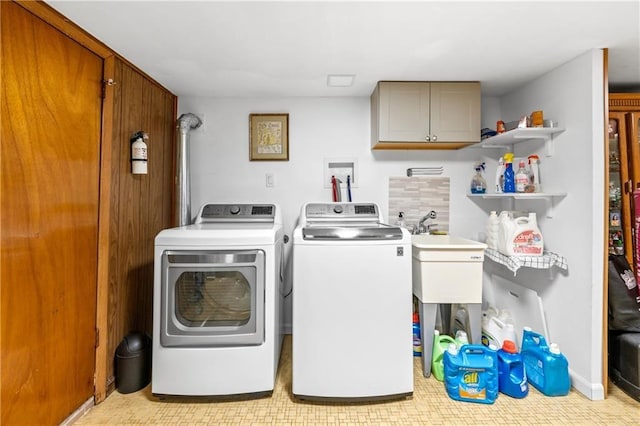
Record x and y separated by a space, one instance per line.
133 362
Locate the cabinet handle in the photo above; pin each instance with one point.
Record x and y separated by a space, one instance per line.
434 138
428 138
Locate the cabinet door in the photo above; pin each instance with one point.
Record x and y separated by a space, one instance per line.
404 111
455 112
633 138
619 213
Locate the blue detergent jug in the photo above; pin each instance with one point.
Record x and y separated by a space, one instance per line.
546 367
512 379
471 373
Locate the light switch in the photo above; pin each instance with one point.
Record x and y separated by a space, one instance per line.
269 180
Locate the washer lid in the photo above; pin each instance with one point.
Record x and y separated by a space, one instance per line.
379 232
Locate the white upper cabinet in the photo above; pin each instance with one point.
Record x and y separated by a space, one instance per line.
425 115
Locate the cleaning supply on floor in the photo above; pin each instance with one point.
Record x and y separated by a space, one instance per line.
546 367
459 318
512 379
534 177
500 176
461 338
417 337
496 330
509 174
440 344
493 224
478 182
521 177
471 373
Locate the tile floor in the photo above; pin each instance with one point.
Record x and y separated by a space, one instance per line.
429 405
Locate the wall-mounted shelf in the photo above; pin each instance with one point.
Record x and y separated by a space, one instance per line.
508 139
549 198
513 263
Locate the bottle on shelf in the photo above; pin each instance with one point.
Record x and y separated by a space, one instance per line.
478 183
534 178
500 176
493 225
521 177
509 175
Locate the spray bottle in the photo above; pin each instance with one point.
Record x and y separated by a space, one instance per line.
509 174
478 183
500 176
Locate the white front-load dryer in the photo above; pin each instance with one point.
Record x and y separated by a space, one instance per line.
217 300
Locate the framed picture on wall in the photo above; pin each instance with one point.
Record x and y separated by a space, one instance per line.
269 137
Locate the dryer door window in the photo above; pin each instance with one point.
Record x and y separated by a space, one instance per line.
212 298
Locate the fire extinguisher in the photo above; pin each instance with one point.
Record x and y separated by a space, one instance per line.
139 153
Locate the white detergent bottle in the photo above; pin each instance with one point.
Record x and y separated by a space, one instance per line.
526 239
493 224
505 232
495 331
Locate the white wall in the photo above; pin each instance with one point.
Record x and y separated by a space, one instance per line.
319 128
573 302
340 127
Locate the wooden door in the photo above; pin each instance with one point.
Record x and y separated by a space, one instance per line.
51 115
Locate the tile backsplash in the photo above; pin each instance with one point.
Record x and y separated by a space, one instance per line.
416 196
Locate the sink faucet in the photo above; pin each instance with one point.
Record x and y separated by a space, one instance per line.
420 228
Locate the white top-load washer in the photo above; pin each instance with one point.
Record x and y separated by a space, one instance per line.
218 293
352 304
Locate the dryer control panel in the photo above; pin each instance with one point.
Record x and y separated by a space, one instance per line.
236 213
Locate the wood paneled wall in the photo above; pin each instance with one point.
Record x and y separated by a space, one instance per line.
132 208
140 205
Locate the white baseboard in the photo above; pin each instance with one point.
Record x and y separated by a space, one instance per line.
593 391
78 413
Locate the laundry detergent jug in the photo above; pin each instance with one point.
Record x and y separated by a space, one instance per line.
440 345
546 367
512 379
496 329
471 373
520 236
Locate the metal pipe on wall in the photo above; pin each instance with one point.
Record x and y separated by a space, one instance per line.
186 123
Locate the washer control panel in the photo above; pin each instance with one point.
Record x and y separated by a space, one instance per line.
333 211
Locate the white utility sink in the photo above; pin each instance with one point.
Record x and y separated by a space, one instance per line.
446 270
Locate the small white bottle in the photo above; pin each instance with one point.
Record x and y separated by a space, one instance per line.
400 220
535 173
522 177
500 176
